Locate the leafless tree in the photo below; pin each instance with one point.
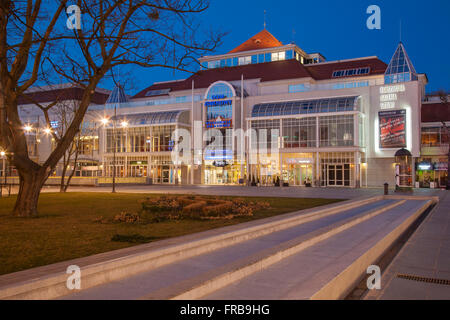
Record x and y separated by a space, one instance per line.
35 43
63 115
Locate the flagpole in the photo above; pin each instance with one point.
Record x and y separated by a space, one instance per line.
192 135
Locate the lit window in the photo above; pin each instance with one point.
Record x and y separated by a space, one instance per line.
351 72
245 60
278 56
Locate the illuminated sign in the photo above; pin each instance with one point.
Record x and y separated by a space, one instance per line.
218 154
219 96
388 96
387 105
425 166
392 129
300 160
218 103
392 89
220 164
218 124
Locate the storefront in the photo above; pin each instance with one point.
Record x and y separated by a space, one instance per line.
298 169
432 172
220 172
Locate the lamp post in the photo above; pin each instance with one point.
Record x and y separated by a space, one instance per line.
3 155
114 149
447 134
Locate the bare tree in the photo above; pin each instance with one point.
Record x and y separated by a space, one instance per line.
64 114
35 43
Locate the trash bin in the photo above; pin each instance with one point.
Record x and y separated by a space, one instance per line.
386 188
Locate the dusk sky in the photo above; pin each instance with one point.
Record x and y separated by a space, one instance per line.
337 29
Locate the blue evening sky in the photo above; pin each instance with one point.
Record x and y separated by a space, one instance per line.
336 29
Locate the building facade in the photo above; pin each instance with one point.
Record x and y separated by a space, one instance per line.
267 113
432 165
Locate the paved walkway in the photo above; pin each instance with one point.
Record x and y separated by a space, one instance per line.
426 255
156 282
291 192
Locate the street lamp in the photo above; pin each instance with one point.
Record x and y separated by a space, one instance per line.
105 121
3 155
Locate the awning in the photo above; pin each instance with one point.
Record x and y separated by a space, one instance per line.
287 108
153 118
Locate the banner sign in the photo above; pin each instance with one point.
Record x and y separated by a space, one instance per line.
392 129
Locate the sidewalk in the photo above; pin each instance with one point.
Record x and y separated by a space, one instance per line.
422 262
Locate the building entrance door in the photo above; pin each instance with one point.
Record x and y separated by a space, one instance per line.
300 175
138 171
338 175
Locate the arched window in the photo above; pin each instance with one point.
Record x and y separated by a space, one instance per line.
220 90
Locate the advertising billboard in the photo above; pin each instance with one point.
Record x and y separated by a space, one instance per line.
392 129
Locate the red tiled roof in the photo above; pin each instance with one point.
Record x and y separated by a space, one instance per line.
73 93
262 40
324 71
435 112
270 71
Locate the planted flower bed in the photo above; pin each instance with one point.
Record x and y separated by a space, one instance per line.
190 207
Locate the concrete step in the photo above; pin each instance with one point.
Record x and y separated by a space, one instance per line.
329 269
49 282
194 277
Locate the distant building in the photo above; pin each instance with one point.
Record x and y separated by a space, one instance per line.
432 166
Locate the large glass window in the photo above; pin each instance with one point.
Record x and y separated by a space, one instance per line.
219 90
268 129
400 69
278 56
140 139
431 137
336 131
306 107
289 55
245 60
299 133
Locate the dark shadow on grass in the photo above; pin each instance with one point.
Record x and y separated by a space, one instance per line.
133 238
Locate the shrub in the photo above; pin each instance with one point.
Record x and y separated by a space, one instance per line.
127 217
196 207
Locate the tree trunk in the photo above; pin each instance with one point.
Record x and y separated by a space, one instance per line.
29 190
62 187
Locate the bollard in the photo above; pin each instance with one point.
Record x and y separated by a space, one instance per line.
386 189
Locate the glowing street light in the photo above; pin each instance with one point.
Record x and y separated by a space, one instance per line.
28 128
105 121
124 124
47 130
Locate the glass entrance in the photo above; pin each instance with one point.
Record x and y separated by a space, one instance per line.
229 174
300 175
138 171
338 175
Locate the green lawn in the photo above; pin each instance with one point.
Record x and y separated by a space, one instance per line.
65 228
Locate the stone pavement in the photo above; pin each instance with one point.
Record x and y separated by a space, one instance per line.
426 254
424 259
291 192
